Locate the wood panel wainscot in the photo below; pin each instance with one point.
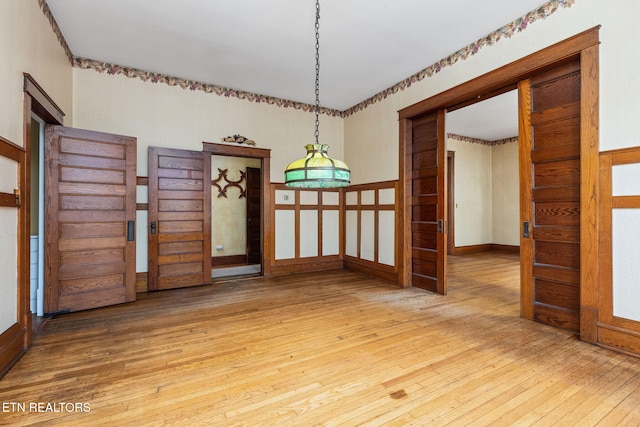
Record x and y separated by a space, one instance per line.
618 318
371 235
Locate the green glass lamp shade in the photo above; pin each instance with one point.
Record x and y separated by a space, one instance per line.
317 170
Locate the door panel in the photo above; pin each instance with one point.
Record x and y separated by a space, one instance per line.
90 187
179 218
551 256
254 220
428 210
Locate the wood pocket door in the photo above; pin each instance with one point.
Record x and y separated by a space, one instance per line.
179 218
90 209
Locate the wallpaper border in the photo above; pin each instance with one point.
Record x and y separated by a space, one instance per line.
480 141
490 39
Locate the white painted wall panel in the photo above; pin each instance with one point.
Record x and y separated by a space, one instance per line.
330 198
352 198
285 234
367 228
308 233
368 197
351 237
386 237
626 268
387 196
8 263
330 233
285 197
625 180
308 197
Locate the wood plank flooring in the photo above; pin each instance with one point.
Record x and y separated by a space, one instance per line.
334 349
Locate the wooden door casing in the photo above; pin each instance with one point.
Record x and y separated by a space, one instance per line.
550 196
428 210
179 218
90 211
254 220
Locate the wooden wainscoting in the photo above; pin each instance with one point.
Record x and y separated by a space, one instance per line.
371 231
16 339
308 229
614 330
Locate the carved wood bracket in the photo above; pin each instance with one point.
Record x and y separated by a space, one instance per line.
222 190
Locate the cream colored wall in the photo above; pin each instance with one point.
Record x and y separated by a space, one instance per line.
505 195
27 44
371 135
472 192
165 116
229 214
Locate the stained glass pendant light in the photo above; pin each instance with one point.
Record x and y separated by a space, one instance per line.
317 169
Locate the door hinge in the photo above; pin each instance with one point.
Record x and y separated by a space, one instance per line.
16 192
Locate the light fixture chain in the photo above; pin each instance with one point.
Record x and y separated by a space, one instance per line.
317 132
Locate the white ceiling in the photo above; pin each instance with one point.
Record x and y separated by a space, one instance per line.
268 46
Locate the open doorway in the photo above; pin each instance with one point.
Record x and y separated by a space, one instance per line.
236 216
482 141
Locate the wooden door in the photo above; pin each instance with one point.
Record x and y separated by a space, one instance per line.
254 220
90 211
550 196
428 209
179 218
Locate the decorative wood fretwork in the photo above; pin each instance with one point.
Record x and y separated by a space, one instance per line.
222 191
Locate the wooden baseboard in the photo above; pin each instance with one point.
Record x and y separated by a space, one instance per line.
12 347
142 282
305 266
505 248
619 339
373 269
224 261
471 249
486 247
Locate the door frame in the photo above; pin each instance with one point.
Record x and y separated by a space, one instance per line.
265 189
585 46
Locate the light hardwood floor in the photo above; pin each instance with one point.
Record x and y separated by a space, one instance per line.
335 349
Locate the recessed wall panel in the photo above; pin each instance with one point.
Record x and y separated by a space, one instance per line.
367 235
625 180
351 236
285 233
386 237
330 233
308 234
626 268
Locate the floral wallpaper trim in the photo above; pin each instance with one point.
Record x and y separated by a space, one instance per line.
56 30
506 31
149 76
481 141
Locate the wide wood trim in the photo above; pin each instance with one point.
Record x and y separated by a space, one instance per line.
589 192
442 204
526 188
403 202
42 104
235 150
15 341
506 75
